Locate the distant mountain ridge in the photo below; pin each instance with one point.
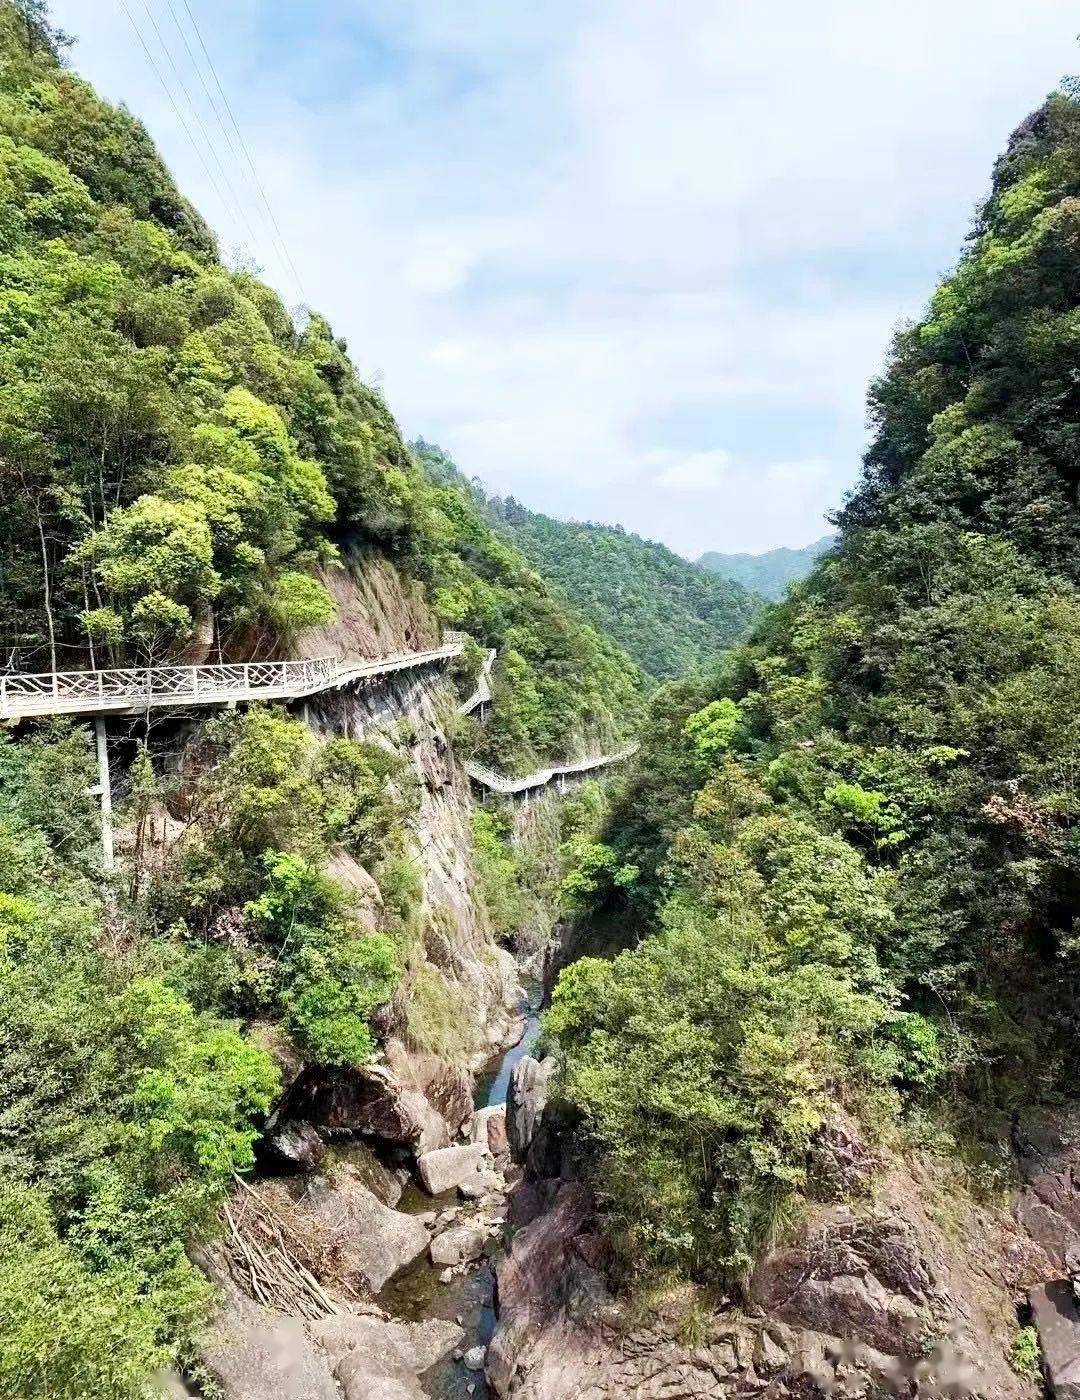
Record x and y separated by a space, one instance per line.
669 615
770 573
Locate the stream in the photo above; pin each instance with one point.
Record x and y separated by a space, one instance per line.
469 1298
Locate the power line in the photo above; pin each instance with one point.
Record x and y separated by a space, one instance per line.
210 146
244 147
210 99
168 93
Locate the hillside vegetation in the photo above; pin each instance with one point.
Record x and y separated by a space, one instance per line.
858 850
177 454
767 574
670 616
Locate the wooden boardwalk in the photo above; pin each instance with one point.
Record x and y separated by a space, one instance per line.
134 690
515 787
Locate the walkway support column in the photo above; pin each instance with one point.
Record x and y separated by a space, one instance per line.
105 791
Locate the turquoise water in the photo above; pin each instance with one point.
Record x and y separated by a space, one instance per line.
417 1293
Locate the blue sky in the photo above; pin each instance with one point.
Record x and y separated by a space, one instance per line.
628 260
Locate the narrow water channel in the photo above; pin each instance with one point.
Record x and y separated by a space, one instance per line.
469 1298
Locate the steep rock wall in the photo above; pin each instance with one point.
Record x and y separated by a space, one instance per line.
462 993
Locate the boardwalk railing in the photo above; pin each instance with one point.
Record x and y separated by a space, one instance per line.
482 694
508 787
130 690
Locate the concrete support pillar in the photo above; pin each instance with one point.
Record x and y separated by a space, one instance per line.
105 792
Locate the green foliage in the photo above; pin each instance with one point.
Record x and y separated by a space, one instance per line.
264 931
767 574
856 842
590 867
333 977
125 1111
670 616
1025 1355
712 729
67 1331
498 873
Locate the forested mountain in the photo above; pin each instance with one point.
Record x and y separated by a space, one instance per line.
669 615
857 852
184 469
767 574
177 455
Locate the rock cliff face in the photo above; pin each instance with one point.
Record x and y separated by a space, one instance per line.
476 981
325 1223
873 1296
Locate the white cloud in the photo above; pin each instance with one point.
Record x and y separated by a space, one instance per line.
695 473
576 235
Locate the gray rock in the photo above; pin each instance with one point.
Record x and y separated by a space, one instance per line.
1054 1313
525 1103
483 1184
374 1240
461 1245
474 1358
489 1129
367 1099
254 1352
448 1167
292 1146
376 1358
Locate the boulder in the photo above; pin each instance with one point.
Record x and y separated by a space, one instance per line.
525 1103
448 1167
252 1352
489 1129
375 1358
1057 1321
291 1146
447 1088
490 1184
1047 1145
370 1100
460 1245
474 1359
371 1241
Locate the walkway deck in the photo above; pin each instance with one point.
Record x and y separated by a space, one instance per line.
482 694
133 690
511 787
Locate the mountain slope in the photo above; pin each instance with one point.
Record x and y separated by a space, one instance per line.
856 852
770 573
187 472
178 457
669 615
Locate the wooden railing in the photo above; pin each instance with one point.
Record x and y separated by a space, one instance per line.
132 689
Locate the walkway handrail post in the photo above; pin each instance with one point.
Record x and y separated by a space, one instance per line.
3 696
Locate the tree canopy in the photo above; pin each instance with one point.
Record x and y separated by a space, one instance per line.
858 843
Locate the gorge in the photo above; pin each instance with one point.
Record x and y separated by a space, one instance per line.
519 964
